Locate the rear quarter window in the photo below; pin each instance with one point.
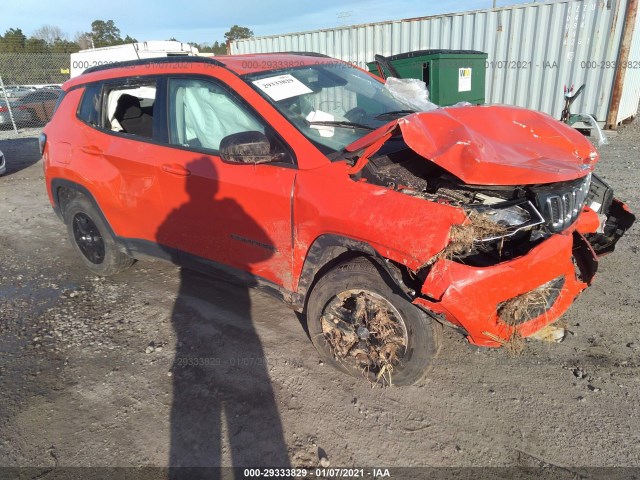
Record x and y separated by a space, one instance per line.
89 109
60 98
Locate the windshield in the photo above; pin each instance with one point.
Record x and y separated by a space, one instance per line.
333 104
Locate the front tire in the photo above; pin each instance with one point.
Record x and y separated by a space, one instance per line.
92 240
362 326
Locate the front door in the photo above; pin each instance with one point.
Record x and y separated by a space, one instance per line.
237 215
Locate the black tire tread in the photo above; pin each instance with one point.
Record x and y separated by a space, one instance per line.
370 273
115 260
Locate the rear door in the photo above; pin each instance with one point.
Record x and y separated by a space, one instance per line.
121 162
231 214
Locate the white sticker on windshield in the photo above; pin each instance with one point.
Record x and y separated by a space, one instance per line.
282 86
320 116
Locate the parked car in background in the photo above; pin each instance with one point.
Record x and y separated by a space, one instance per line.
5 118
17 92
3 163
37 107
20 117
310 178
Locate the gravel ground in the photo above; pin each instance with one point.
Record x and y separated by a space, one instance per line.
7 133
159 366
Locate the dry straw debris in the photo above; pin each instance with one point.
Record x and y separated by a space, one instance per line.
514 345
476 226
525 307
375 350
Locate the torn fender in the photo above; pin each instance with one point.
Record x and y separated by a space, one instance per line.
492 145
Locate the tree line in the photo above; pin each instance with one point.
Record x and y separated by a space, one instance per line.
51 39
48 50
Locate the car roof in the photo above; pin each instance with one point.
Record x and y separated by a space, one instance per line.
238 64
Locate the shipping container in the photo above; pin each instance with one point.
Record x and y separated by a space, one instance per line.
533 51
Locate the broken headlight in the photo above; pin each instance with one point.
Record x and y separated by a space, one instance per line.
512 216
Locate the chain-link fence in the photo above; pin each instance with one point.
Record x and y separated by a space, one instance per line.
29 90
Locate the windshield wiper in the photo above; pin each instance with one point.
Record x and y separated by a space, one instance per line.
394 113
331 123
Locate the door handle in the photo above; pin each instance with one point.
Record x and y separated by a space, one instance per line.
91 150
176 169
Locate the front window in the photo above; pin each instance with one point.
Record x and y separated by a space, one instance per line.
333 104
202 113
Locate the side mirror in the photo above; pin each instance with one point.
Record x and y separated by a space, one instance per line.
247 147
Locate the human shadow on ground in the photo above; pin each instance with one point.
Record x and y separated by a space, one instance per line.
224 409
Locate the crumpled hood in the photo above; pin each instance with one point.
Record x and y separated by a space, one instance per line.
494 145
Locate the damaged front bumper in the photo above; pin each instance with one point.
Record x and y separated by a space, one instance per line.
562 266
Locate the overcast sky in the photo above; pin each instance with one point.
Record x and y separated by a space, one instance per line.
206 21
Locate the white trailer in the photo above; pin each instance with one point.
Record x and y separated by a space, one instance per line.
92 57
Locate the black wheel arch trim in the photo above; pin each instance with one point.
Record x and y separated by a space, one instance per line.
58 183
327 249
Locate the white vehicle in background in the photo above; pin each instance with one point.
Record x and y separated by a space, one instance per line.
93 57
14 92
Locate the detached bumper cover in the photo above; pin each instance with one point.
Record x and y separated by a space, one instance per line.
619 220
470 297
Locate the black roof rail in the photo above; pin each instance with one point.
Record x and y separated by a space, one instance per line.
156 60
306 54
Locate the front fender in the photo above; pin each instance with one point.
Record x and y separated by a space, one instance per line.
328 249
404 229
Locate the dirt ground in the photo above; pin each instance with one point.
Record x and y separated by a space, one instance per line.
159 366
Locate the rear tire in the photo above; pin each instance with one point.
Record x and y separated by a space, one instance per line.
92 240
332 308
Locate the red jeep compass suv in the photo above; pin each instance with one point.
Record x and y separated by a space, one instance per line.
310 178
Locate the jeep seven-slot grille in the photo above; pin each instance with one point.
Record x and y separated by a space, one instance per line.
561 206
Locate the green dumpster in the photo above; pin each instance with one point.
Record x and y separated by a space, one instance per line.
451 76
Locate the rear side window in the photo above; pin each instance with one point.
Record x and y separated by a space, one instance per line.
129 106
89 110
